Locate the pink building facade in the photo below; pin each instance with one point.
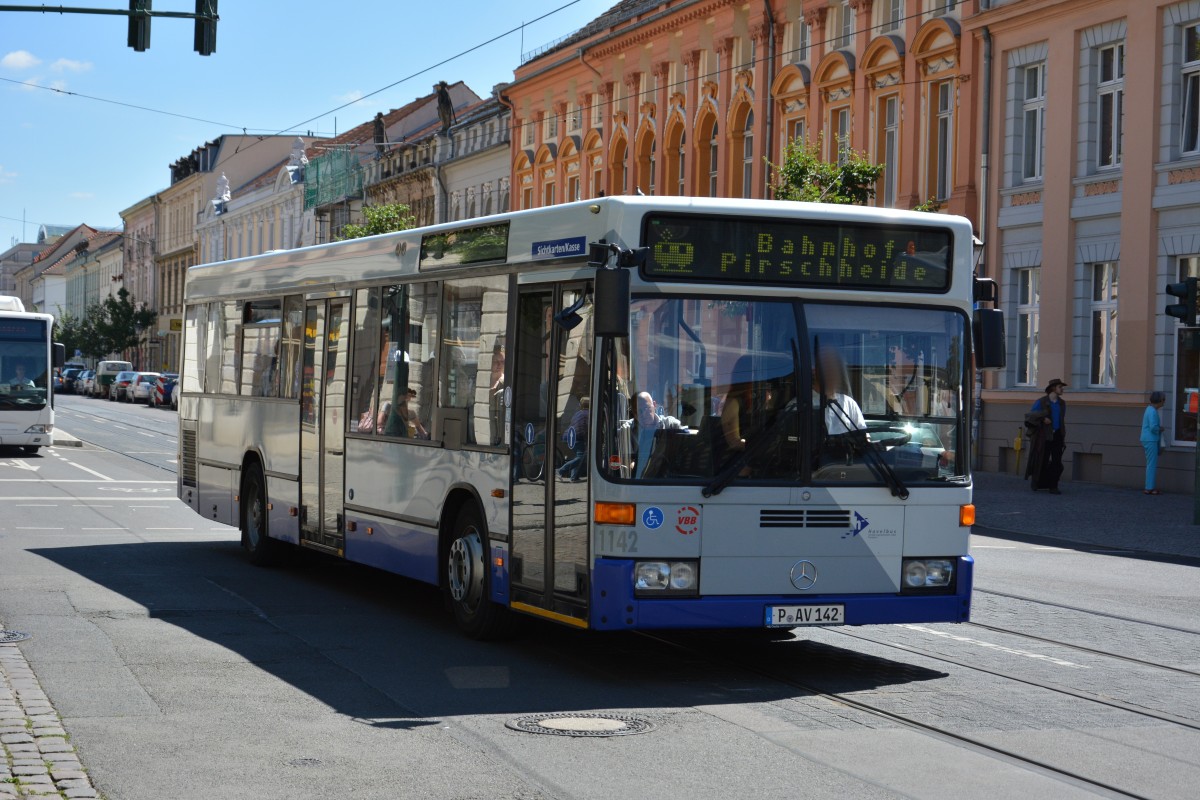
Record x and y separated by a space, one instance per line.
1093 196
695 97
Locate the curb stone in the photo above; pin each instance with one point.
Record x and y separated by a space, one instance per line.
20 695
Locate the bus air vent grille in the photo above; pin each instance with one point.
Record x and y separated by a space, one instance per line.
836 518
187 465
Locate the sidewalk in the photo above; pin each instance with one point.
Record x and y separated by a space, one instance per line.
1088 513
61 438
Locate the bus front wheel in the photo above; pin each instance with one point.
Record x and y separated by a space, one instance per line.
30 449
261 549
467 580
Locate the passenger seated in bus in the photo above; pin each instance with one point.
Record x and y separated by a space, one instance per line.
647 422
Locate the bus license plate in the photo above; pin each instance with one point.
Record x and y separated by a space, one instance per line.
791 616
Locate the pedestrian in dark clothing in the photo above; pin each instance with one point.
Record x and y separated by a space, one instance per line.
1046 424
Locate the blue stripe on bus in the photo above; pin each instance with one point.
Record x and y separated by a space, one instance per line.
614 606
403 549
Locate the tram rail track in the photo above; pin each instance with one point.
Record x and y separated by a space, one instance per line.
1093 612
65 412
937 732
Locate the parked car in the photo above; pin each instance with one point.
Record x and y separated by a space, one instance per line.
142 388
119 388
84 382
69 376
163 393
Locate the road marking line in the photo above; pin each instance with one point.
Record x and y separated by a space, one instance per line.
994 547
89 471
104 529
38 529
36 505
168 529
143 433
991 646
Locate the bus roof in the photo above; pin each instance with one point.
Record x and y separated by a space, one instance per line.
535 237
10 303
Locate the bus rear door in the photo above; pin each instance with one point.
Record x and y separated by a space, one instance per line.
322 425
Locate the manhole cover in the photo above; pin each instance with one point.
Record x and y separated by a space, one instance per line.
8 637
570 723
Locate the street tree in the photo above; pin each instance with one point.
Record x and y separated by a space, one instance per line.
386 218
803 175
123 324
69 330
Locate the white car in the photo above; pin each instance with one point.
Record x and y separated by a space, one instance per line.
142 387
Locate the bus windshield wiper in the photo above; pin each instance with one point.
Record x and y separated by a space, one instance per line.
754 445
875 462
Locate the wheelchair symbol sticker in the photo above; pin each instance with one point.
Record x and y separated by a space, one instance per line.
653 517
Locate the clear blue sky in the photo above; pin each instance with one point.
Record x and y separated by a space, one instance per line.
67 159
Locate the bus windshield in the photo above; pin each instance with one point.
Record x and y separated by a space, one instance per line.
24 365
772 391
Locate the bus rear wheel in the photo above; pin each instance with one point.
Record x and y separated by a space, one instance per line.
467 580
261 549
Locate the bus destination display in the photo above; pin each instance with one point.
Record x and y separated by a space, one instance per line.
844 255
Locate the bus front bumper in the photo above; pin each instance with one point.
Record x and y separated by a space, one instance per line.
614 606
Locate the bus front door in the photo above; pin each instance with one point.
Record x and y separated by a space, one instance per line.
323 425
550 574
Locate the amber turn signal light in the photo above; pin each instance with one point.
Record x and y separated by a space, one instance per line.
614 513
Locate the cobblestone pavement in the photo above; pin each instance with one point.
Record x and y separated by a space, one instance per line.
38 758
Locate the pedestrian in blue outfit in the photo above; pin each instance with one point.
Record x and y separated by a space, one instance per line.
1151 439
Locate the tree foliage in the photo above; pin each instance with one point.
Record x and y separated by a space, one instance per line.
386 218
113 326
804 176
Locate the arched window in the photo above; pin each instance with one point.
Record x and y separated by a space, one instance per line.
682 153
748 156
618 181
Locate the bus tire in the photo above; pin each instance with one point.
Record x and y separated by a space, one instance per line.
261 549
467 580
30 449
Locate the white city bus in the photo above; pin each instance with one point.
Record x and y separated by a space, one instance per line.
635 412
27 359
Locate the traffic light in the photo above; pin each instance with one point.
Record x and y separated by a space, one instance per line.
1186 291
139 25
206 27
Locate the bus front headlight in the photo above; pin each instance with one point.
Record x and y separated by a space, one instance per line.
926 573
666 578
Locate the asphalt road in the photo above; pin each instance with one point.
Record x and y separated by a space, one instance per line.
181 671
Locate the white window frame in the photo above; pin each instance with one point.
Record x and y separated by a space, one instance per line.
748 157
1029 296
889 118
1110 104
1189 82
941 145
1103 284
803 40
714 161
1033 121
551 122
682 154
845 26
891 16
839 122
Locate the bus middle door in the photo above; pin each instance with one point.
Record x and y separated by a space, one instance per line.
323 425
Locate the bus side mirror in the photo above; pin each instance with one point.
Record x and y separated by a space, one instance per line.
60 354
610 304
988 330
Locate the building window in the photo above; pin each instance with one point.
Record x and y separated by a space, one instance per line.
551 126
1191 89
1104 324
682 174
941 139
714 162
1028 302
893 16
843 26
573 118
1034 121
803 40
597 183
938 8
573 188
748 157
840 121
527 197
889 147
1110 100
1187 366
548 194
526 134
